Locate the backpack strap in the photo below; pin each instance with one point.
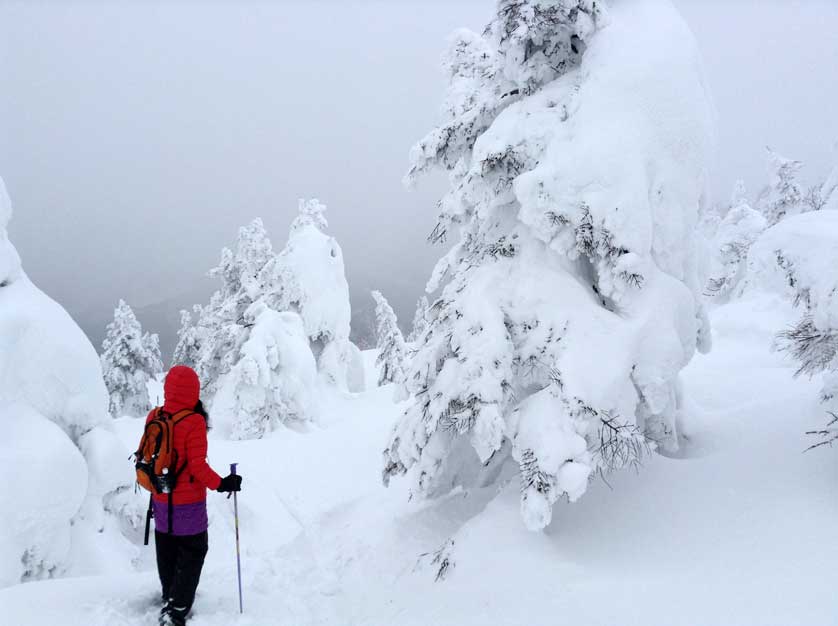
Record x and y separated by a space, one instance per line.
175 420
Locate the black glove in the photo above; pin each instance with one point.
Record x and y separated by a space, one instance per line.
230 483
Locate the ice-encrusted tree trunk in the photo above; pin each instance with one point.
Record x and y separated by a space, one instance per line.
800 257
129 360
569 301
392 351
734 236
782 196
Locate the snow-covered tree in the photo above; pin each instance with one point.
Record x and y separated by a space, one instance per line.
799 257
308 278
392 351
782 196
221 324
274 377
129 360
188 348
570 299
736 233
151 343
239 340
421 320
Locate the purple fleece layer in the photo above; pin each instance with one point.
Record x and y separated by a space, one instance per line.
189 519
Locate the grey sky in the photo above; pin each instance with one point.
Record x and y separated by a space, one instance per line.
136 137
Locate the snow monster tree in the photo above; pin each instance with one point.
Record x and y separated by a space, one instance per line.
575 141
67 473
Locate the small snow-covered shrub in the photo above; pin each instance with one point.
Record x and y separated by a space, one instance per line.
799 257
273 380
782 196
575 143
733 239
129 360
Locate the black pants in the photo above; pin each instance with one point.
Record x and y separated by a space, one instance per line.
179 563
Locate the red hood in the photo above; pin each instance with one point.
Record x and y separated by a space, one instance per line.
181 390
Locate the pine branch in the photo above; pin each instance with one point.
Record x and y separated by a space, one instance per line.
829 434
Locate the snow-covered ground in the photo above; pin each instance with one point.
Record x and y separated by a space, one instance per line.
737 531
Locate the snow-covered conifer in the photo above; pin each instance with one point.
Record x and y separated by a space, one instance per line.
188 348
221 323
392 351
151 343
273 379
569 301
421 320
129 360
799 257
782 196
736 233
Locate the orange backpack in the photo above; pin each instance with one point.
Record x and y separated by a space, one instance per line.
156 460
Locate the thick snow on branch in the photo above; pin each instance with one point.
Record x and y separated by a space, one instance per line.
570 301
733 239
799 257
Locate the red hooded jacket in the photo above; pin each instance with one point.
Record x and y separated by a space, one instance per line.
181 390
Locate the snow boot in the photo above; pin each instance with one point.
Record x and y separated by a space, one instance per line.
171 616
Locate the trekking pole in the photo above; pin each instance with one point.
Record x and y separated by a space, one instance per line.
238 549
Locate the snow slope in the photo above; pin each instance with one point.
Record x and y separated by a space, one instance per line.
735 533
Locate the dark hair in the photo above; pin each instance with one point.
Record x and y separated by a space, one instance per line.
200 410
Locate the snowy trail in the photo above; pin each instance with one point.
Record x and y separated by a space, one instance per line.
735 533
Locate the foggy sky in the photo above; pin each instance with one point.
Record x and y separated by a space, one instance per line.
135 137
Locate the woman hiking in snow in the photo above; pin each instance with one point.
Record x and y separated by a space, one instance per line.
180 516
